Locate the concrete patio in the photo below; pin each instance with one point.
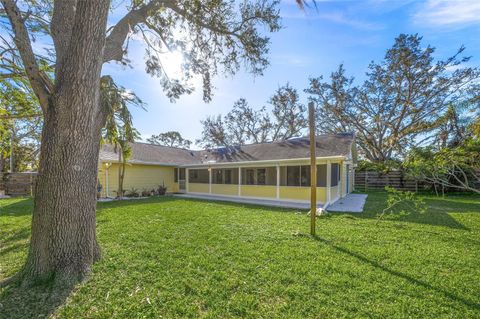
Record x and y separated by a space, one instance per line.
350 203
255 201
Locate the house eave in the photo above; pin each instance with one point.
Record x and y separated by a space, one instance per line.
338 157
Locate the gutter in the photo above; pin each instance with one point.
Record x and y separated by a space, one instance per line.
262 161
227 163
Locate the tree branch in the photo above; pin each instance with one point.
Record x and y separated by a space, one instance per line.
40 83
114 43
63 13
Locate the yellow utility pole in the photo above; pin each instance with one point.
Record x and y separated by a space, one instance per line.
313 168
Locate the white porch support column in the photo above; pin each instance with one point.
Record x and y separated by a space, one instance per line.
329 182
352 177
106 179
186 180
239 181
210 180
278 181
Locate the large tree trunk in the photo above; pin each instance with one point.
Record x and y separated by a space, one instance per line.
63 244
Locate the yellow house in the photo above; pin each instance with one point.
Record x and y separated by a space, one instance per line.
277 171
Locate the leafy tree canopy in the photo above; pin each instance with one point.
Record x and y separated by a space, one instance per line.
401 102
243 124
171 138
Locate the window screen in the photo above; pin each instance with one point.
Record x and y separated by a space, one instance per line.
305 175
250 177
227 175
293 175
261 176
322 175
217 176
198 176
175 175
182 174
335 176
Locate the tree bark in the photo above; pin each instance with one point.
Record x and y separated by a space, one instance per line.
63 244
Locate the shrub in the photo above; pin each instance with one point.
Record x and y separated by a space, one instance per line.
162 189
133 193
146 193
406 201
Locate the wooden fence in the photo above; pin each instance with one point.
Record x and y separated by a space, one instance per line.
366 180
17 184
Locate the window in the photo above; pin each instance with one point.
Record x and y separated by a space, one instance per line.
198 176
261 176
175 175
335 176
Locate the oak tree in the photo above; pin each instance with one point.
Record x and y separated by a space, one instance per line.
399 104
213 36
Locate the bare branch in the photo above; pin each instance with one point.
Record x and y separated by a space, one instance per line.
114 43
40 83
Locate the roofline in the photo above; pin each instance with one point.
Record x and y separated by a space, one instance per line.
139 162
306 137
340 157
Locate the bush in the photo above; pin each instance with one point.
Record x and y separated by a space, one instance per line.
162 190
384 167
146 193
133 193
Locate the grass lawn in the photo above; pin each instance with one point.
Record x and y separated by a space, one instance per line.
171 258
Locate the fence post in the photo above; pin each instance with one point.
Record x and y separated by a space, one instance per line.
366 181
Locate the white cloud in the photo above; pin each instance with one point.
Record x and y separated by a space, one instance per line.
448 13
341 18
337 17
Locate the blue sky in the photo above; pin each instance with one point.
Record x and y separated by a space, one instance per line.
311 43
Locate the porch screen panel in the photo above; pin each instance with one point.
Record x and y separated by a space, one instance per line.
198 176
231 176
182 174
259 176
305 175
322 175
225 176
293 175
217 176
248 176
283 175
335 176
271 176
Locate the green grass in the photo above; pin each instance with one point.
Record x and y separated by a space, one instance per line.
176 258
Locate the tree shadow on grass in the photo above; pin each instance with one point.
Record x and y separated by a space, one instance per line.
20 207
450 295
437 214
38 301
135 202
